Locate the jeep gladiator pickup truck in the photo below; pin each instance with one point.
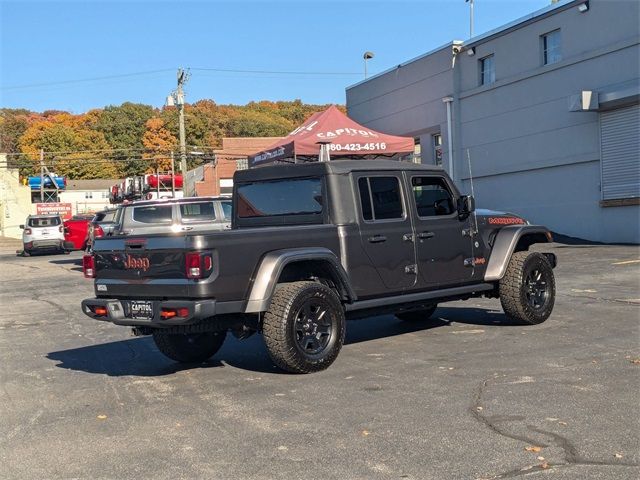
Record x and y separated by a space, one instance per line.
312 245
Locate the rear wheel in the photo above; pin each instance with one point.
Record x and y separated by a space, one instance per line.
528 288
417 315
189 347
304 327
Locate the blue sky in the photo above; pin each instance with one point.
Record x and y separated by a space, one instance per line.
52 41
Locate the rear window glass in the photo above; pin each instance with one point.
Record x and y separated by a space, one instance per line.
108 217
197 212
45 222
227 209
282 197
153 214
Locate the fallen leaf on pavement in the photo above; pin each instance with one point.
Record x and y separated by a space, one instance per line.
544 465
365 433
532 449
618 455
102 417
562 423
540 458
636 361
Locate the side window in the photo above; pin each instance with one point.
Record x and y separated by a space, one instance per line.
197 212
159 214
380 198
432 196
227 208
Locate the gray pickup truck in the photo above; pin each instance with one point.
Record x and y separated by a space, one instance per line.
312 245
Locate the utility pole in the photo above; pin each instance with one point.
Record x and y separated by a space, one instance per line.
41 175
173 177
182 79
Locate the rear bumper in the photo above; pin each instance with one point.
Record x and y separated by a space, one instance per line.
48 244
198 310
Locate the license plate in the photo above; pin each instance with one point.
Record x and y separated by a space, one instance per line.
141 309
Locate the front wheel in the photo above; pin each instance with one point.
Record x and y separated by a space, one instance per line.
528 288
189 347
304 327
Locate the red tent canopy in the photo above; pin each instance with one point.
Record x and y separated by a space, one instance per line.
345 137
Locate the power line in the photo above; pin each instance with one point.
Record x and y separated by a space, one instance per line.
269 72
82 80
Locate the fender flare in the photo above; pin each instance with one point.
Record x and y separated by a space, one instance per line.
272 265
504 246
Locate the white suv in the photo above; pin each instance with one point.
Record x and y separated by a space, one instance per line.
43 232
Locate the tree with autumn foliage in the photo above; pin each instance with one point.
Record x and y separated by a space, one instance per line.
73 149
159 143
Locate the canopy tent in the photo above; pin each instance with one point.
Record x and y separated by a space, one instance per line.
343 136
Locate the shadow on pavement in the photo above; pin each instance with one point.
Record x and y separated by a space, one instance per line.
139 357
68 261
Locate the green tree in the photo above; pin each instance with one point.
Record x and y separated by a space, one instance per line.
259 124
123 127
13 123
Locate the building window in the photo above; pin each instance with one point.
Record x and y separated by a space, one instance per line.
436 141
242 164
551 48
487 70
417 151
226 185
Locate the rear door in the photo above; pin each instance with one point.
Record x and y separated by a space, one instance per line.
386 229
441 245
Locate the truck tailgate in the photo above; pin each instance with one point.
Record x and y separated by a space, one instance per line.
144 267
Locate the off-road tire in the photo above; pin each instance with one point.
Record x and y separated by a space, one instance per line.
282 322
189 347
515 294
417 315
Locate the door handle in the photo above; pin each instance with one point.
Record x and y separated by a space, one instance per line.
377 239
426 235
184 229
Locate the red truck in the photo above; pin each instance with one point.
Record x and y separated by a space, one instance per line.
76 231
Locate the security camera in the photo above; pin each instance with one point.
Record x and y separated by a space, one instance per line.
457 49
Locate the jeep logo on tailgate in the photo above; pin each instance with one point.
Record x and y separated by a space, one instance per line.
137 263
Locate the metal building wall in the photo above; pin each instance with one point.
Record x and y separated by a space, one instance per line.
532 152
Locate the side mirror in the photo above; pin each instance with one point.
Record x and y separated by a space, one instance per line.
21 227
466 206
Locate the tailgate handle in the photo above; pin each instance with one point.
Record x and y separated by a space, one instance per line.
135 242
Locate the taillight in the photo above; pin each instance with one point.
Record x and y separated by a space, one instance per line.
27 231
198 265
98 232
88 266
99 311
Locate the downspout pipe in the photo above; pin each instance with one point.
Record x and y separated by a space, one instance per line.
449 101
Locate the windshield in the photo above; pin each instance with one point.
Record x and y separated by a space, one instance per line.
44 221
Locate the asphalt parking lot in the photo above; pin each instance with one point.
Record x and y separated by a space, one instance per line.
465 396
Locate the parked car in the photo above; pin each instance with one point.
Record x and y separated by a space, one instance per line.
312 245
75 231
173 215
101 225
43 233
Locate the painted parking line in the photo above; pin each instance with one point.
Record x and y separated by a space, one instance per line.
626 262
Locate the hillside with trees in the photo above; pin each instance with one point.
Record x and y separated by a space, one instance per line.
132 138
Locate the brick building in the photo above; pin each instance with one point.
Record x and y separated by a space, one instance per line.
217 178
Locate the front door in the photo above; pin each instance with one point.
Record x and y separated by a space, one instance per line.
443 250
386 230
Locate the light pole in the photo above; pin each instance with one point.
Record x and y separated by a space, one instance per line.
366 56
470 2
